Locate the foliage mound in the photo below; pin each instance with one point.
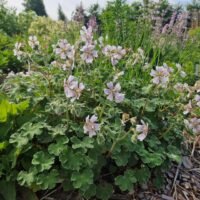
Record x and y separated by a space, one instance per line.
92 117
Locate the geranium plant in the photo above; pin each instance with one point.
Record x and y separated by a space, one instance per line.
97 120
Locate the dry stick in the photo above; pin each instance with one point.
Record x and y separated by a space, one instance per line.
194 145
184 193
50 193
175 192
175 178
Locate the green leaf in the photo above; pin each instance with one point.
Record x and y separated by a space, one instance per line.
71 160
26 133
174 153
121 159
126 181
7 108
59 146
42 160
83 179
90 192
8 190
26 178
104 191
57 130
47 180
86 143
142 175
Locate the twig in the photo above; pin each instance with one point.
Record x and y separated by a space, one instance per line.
177 172
50 193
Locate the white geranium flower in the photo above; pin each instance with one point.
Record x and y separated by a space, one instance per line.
143 129
91 126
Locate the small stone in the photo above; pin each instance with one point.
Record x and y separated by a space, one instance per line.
171 175
187 162
144 186
141 195
165 197
187 185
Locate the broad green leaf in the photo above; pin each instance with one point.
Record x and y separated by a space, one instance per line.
59 146
86 143
47 180
83 179
26 178
71 160
42 160
142 175
104 191
126 181
27 133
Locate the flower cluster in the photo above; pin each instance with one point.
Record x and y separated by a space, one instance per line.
33 42
160 76
73 88
115 53
113 92
91 126
64 50
88 53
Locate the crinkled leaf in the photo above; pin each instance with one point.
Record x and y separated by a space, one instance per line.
42 160
47 180
26 178
104 191
142 175
26 133
126 181
71 160
83 179
59 146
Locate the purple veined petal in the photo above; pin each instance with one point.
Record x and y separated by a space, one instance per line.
69 93
97 126
89 59
164 79
87 119
93 118
139 128
156 80
92 133
141 136
114 61
153 73
110 97
117 87
110 85
63 56
81 86
95 54
119 97
57 50
73 85
71 78
107 91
